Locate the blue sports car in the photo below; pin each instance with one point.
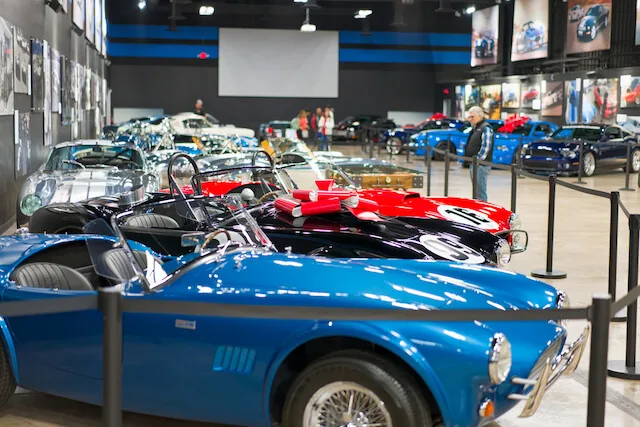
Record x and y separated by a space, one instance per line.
256 372
604 147
397 139
507 146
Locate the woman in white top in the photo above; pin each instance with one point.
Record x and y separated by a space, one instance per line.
325 127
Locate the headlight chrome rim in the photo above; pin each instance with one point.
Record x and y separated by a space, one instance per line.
499 359
503 253
515 223
30 204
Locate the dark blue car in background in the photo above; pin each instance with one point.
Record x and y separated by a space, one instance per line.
605 147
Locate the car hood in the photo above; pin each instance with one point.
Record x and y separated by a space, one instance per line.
75 185
367 283
557 144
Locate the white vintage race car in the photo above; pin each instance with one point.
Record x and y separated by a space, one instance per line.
196 125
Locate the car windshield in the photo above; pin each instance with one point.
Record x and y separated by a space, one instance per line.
156 239
586 133
94 156
522 130
594 11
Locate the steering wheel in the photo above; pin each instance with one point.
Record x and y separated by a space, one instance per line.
173 184
211 236
255 156
264 196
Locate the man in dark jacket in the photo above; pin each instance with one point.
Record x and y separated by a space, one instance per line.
199 108
480 143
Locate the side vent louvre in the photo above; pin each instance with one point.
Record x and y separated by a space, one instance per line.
234 359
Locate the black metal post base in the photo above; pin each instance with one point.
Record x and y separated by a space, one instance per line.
544 274
579 182
626 189
620 316
618 369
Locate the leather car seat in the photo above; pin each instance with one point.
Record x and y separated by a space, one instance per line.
116 265
48 275
151 220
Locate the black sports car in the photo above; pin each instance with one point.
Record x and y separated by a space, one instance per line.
593 22
349 128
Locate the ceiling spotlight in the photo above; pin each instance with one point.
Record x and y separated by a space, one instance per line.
470 10
142 4
362 13
299 1
308 28
206 10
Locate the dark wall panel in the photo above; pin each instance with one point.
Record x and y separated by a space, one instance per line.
36 20
175 88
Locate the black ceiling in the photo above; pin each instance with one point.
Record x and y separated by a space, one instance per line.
413 15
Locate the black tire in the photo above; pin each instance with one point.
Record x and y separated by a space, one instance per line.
394 146
443 145
400 393
515 159
7 381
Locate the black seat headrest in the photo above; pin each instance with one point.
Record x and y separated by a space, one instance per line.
115 264
48 275
150 220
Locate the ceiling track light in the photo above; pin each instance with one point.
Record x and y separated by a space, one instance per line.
470 10
142 4
206 10
362 13
307 26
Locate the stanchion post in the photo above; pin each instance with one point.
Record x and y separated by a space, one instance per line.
580 164
627 171
446 173
370 148
597 398
406 147
474 177
629 368
548 272
109 303
427 160
514 186
614 201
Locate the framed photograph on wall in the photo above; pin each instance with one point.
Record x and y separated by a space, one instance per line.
599 101
22 144
490 101
572 93
484 36
6 68
77 15
530 96
55 81
470 96
511 95
552 98
629 91
37 75
66 95
89 20
97 39
530 30
47 93
460 110
588 25
22 58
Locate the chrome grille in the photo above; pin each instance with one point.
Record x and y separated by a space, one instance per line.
550 353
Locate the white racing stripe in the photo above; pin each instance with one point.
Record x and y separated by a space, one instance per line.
83 185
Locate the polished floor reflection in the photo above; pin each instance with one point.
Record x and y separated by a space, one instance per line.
581 250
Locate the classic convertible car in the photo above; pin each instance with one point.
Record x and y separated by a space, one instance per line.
605 147
83 169
296 373
195 124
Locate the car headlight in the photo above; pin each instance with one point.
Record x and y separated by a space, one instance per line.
524 149
30 204
499 359
503 253
515 223
568 152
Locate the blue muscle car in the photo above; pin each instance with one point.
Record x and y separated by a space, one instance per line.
596 19
256 372
507 146
397 139
605 147
485 46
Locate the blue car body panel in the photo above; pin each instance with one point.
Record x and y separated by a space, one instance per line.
222 369
507 146
457 137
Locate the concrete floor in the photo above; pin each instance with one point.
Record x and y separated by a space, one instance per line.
581 250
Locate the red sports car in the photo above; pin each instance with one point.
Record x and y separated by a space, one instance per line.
606 105
530 95
259 184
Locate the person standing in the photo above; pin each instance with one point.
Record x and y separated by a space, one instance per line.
315 119
325 128
480 143
303 126
199 108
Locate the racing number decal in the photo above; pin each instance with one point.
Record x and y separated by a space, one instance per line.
450 249
467 216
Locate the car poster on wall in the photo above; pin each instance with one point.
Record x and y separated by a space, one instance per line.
97 38
470 96
552 97
22 143
490 101
22 58
600 101
37 75
78 14
572 93
511 95
460 108
530 95
6 68
637 22
89 20
48 140
103 50
530 30
55 81
588 25
66 96
484 36
629 91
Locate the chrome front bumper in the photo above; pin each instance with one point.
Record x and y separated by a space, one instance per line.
565 363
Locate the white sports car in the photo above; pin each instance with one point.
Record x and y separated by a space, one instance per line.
576 13
195 125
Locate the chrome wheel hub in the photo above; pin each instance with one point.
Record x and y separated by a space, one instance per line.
345 404
635 161
588 164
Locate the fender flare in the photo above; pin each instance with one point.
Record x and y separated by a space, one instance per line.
364 332
9 347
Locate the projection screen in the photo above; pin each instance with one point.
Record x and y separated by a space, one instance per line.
278 63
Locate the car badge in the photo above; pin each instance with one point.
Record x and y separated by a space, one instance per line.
186 324
388 180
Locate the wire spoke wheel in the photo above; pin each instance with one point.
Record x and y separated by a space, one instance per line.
589 164
635 161
346 404
394 146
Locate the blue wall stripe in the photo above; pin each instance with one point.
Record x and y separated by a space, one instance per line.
128 31
405 56
409 39
150 50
